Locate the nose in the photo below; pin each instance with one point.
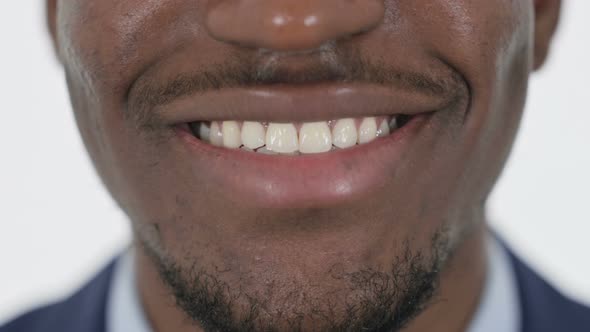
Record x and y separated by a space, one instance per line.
291 25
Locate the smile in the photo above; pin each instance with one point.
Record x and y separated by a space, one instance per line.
288 138
302 146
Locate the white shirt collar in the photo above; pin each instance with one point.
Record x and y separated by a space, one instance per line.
498 310
499 307
124 312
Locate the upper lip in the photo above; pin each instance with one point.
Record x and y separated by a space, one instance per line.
301 103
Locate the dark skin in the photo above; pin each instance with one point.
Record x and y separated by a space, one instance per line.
285 256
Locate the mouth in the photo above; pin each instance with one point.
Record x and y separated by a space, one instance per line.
308 146
303 165
295 138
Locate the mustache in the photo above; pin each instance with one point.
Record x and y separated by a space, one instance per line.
327 64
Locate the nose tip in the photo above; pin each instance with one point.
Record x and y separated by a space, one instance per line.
291 25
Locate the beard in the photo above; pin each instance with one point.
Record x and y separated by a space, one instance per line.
368 299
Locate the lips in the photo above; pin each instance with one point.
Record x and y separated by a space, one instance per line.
304 180
215 127
296 103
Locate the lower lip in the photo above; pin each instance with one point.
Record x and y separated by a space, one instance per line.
305 181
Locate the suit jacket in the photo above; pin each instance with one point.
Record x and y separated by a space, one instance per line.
543 308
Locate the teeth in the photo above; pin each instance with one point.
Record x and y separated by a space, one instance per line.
215 135
383 129
282 138
253 135
315 137
344 134
264 150
393 123
204 131
231 134
367 130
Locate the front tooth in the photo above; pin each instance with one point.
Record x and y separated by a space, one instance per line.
215 135
231 134
367 130
315 137
383 129
252 134
282 138
344 134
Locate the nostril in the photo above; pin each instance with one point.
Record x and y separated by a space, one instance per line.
288 25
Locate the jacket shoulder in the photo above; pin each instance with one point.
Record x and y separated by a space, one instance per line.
544 308
83 311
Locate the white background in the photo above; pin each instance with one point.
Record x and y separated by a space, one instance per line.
58 225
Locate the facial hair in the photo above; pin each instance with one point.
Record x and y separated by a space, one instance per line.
369 300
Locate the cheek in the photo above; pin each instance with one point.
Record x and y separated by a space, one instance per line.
499 93
489 43
98 42
113 41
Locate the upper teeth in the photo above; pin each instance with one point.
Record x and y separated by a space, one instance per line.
315 137
288 138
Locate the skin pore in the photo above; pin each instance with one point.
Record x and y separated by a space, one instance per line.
214 251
